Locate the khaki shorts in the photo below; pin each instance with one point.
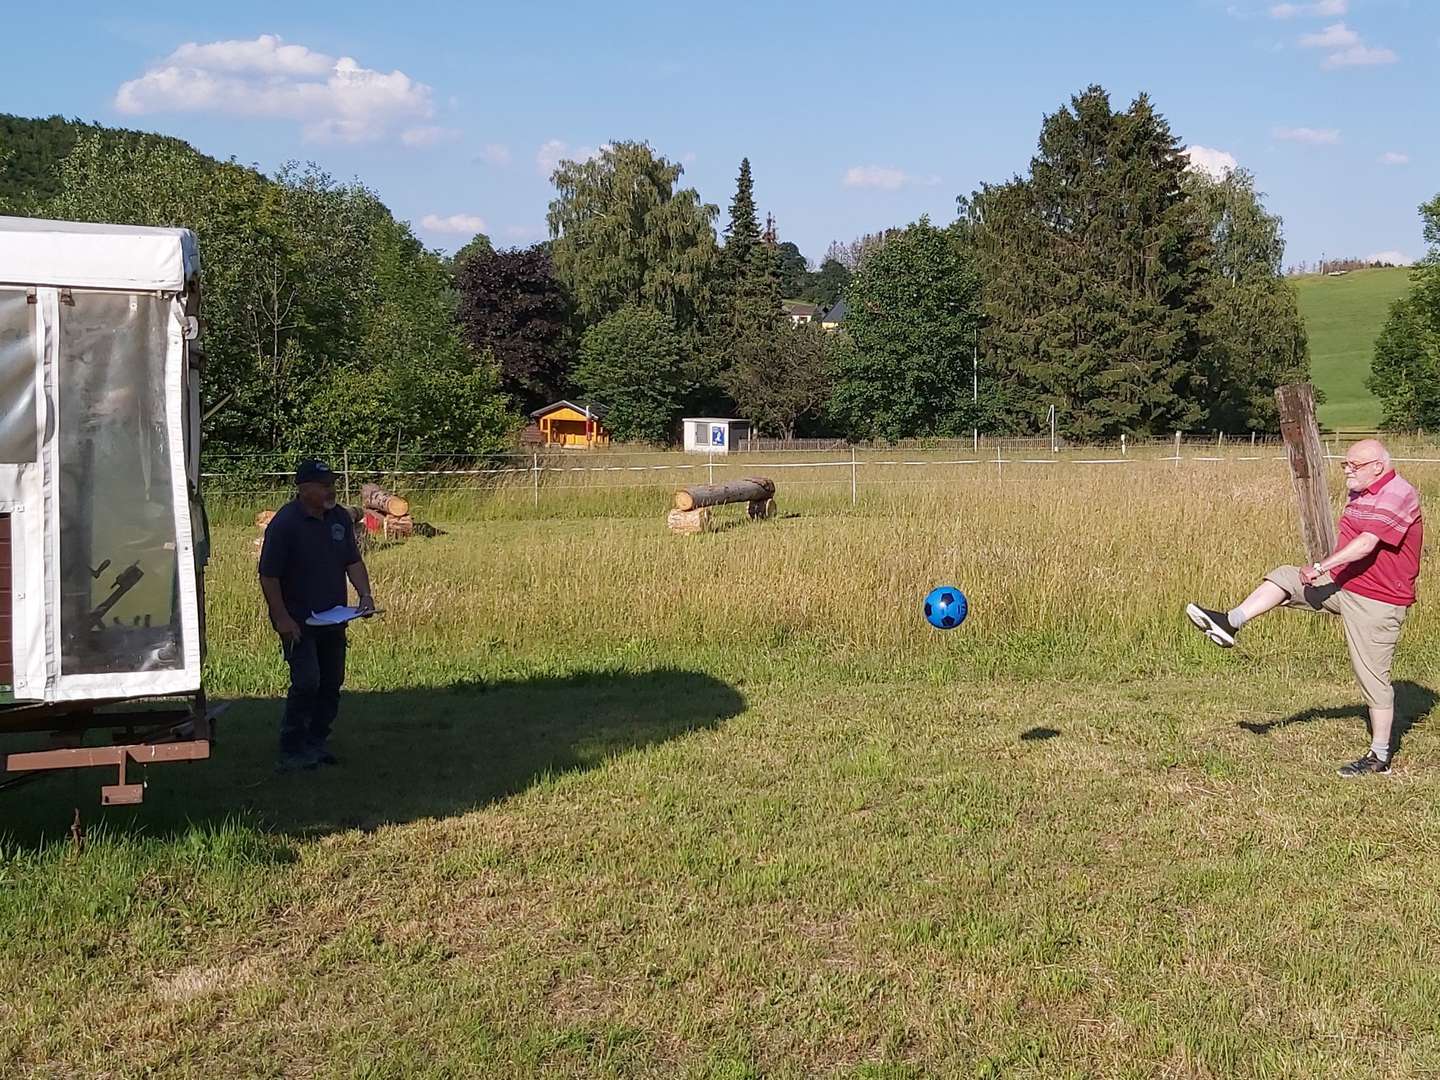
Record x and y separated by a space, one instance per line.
1372 627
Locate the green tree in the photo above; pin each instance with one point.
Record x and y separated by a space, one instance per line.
479 244
1405 371
630 362
794 271
747 331
1253 338
902 367
786 384
623 235
742 234
312 291
1095 269
827 285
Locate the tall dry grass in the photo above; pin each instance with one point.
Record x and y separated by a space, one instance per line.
1078 571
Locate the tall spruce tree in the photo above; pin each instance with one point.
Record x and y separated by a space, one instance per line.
748 334
1095 272
742 234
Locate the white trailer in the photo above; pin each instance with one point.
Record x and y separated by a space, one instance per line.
103 539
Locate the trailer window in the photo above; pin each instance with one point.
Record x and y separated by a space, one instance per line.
119 568
17 378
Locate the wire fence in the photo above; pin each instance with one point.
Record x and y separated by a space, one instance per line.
263 479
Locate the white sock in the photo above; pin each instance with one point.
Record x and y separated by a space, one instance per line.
1237 618
1380 750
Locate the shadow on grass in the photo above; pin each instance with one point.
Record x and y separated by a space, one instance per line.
405 755
1413 705
1038 734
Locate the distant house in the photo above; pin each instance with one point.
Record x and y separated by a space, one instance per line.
832 319
567 424
799 311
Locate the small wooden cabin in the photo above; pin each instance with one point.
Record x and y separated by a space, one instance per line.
566 424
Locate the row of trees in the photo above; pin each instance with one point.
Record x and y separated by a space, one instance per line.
326 323
1110 282
1405 373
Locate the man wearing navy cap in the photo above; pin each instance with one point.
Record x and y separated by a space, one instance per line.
309 552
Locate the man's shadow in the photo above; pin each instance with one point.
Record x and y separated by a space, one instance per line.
405 755
1413 705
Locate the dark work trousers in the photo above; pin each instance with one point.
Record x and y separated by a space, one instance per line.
317 671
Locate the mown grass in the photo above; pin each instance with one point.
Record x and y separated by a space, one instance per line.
1343 316
617 803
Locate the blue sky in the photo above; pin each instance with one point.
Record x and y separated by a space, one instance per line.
854 116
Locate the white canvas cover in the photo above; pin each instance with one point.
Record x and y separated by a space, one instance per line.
68 254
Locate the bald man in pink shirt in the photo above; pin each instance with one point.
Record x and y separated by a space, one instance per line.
1368 581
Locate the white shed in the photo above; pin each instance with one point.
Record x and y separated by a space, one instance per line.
714 435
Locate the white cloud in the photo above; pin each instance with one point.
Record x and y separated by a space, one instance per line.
464 224
1336 36
874 176
495 154
1396 258
1348 49
1361 56
885 177
1322 9
1211 162
1394 157
1311 136
554 151
333 98
428 136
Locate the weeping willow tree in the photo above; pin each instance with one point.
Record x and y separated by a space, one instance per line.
624 236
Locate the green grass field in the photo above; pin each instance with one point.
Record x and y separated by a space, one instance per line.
621 804
1343 316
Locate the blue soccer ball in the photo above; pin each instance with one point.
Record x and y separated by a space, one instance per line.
946 607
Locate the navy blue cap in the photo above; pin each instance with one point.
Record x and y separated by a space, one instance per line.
314 472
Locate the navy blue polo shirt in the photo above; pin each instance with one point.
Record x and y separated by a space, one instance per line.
309 556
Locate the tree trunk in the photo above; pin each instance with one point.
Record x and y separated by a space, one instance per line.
751 489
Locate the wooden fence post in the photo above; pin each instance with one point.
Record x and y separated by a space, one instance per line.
1307 467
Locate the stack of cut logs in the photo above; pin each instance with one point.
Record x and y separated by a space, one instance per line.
692 504
381 515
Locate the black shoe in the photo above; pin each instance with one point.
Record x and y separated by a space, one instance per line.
296 761
323 756
1369 765
1215 625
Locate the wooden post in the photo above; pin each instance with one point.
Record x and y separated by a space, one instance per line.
1307 467
853 494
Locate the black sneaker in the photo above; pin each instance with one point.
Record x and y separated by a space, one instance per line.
1215 625
323 756
296 761
1369 765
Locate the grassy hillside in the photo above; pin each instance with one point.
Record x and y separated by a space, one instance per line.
1343 316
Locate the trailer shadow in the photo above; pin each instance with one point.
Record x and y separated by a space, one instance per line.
404 755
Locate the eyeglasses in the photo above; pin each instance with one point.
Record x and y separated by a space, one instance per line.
1356 466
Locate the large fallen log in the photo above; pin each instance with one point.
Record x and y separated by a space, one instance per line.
751 490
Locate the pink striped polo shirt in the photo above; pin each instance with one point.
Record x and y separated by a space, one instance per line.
1389 508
